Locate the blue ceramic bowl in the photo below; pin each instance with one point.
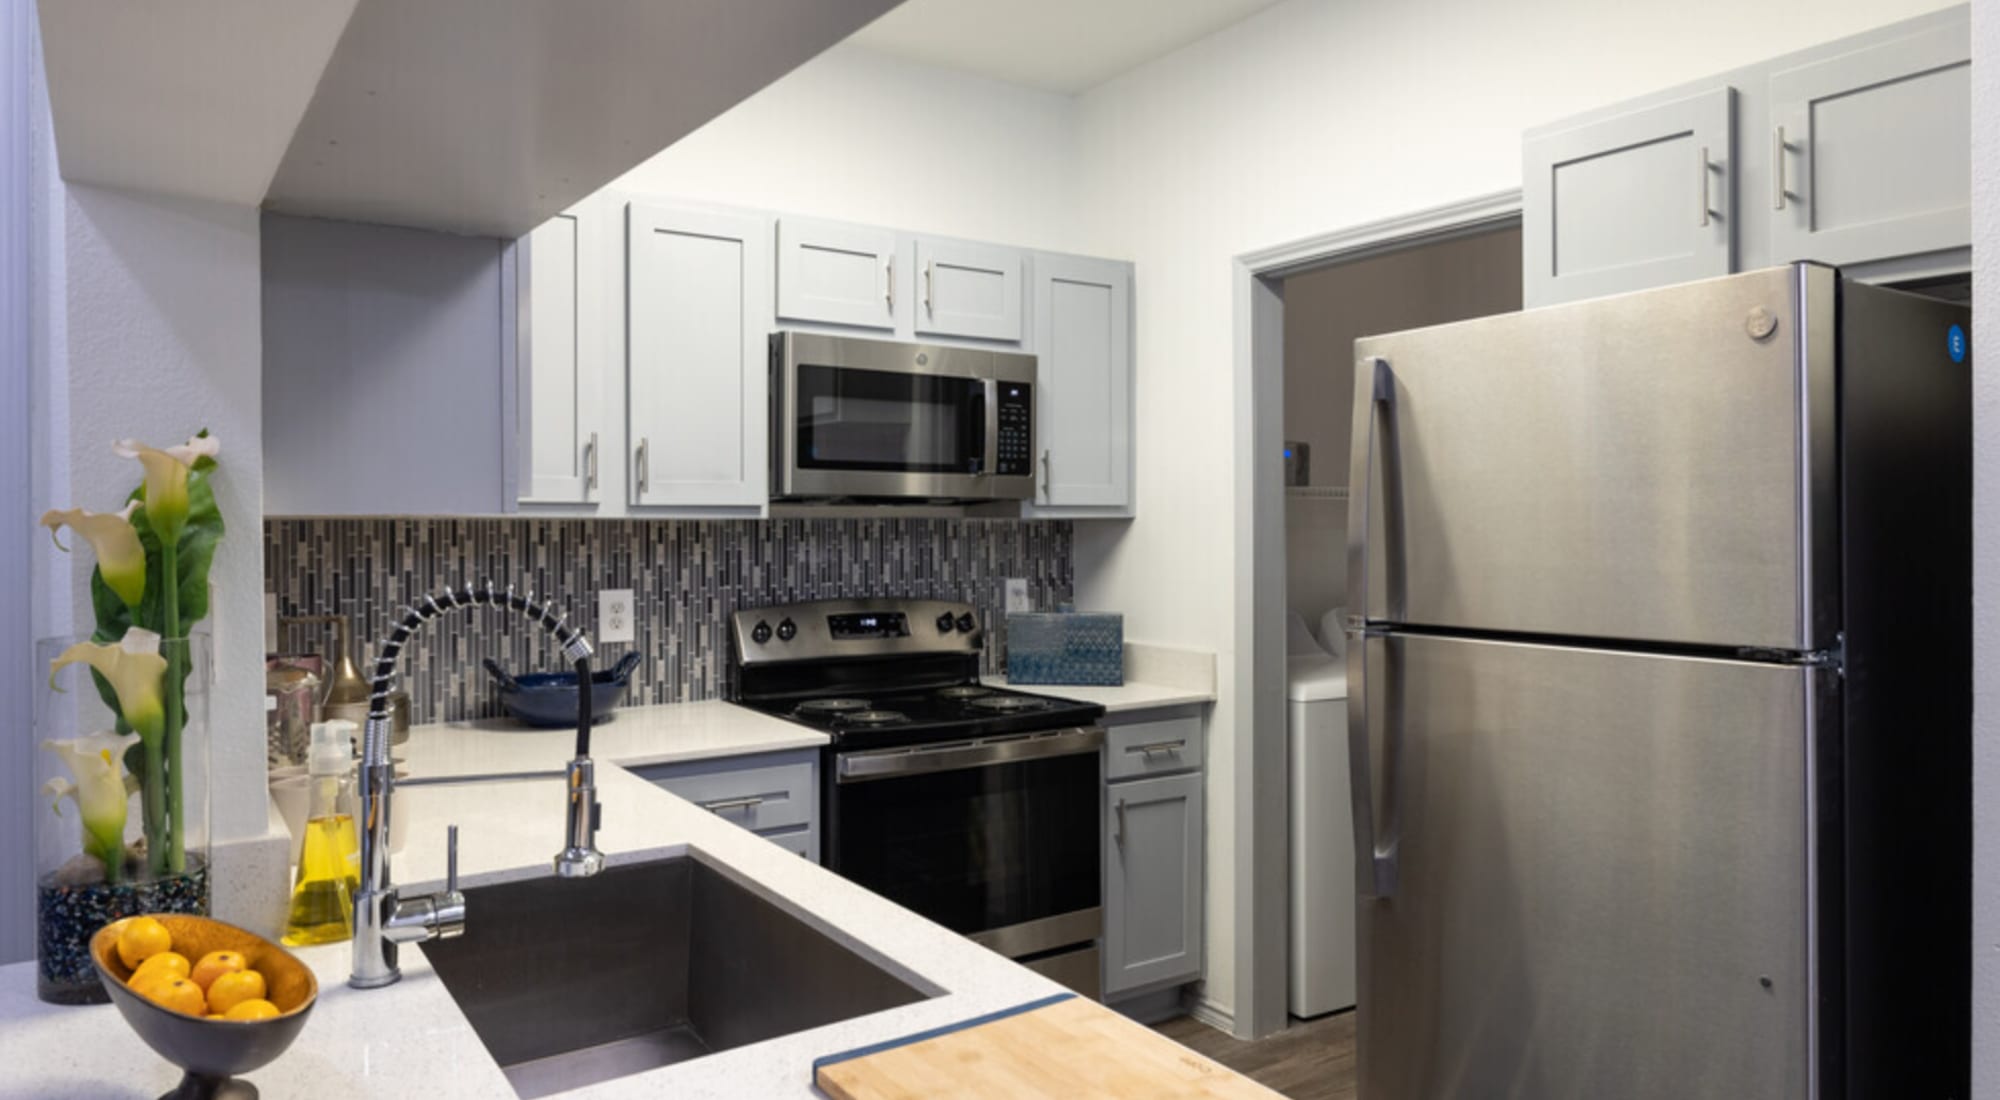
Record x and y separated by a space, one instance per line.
547 700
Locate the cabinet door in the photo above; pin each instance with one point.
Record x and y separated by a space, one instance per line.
561 359
697 380
969 290
1873 151
1083 384
1635 201
1152 882
836 274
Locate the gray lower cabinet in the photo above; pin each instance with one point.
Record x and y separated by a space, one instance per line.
1153 855
775 795
1152 883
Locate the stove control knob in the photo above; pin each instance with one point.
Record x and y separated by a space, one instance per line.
967 623
760 633
944 623
787 630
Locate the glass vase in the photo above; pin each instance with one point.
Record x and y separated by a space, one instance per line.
162 862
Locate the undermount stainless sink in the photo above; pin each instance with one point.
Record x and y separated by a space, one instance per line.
570 982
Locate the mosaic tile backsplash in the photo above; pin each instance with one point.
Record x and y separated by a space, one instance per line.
686 576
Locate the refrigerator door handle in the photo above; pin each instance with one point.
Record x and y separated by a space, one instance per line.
1375 858
1379 411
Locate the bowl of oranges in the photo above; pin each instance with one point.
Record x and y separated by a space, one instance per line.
209 997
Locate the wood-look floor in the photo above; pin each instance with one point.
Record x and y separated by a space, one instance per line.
1311 1060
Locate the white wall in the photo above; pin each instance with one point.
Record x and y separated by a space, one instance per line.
1986 552
17 679
859 136
147 324
1308 117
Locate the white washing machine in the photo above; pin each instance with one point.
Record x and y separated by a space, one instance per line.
1322 886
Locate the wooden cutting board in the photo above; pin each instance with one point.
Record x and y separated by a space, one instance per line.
1065 1047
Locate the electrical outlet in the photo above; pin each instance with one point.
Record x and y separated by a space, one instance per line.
1017 595
614 615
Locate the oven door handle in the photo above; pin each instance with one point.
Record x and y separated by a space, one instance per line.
859 767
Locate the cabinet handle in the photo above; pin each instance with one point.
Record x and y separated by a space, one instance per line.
590 455
889 284
1778 169
1118 827
1045 474
1702 167
1159 746
722 804
928 308
644 466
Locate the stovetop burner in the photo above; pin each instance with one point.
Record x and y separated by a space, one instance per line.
871 718
1010 704
820 708
964 691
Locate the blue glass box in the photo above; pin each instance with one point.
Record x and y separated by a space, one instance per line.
1078 647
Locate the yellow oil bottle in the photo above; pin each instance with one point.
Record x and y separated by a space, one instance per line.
322 908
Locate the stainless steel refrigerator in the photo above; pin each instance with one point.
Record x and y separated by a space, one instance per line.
1660 697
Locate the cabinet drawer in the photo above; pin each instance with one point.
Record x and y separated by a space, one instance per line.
800 842
1152 748
758 794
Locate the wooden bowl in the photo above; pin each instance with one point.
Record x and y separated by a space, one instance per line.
212 1052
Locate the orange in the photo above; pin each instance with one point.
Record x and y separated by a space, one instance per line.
255 1009
215 964
142 938
179 994
232 989
173 964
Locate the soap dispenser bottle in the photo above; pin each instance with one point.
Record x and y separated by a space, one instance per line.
322 909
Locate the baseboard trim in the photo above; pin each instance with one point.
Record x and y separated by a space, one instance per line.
1220 1017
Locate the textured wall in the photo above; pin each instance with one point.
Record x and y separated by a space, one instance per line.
687 577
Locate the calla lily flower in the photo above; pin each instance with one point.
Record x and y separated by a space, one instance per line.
136 672
167 479
119 556
99 791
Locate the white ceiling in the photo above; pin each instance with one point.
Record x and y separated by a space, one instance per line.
1058 45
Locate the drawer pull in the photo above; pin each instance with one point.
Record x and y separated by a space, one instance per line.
1159 746
722 804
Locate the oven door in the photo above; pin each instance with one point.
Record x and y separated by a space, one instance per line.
999 839
875 419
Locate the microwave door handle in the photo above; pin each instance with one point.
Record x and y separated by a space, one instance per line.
990 397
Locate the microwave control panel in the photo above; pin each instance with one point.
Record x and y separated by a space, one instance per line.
1017 434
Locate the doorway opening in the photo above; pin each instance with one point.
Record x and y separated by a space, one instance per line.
1299 308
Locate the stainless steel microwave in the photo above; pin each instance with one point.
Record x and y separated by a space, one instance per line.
877 420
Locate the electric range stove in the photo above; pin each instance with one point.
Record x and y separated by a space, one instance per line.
979 807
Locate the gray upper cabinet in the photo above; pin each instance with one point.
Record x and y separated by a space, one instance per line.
561 358
1873 151
698 314
1855 152
837 274
1083 400
967 290
1152 882
1640 199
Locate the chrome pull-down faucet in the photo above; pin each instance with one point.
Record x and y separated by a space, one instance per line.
382 918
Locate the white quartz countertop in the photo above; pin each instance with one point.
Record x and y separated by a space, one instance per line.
1129 696
411 1038
635 737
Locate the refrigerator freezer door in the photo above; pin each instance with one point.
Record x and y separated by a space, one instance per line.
1652 467
1603 869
